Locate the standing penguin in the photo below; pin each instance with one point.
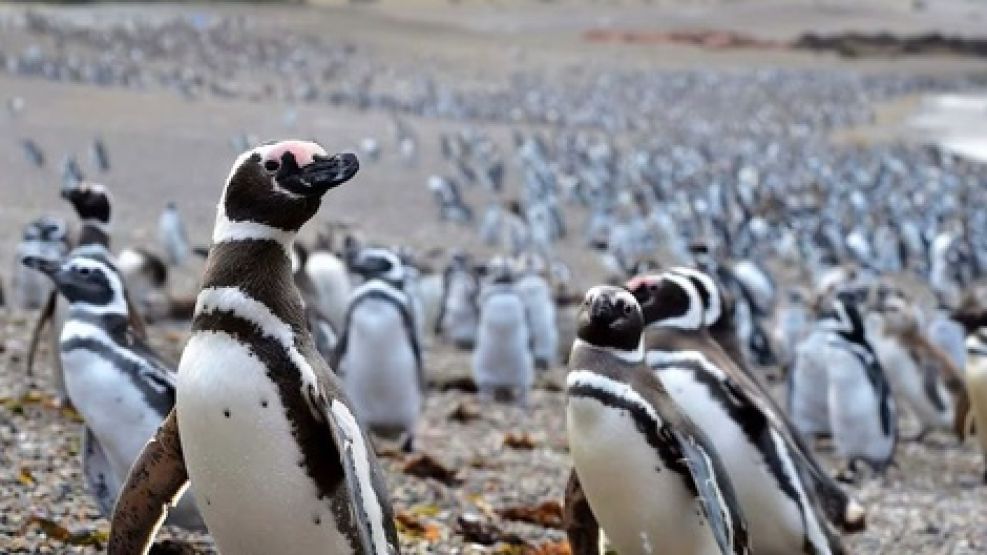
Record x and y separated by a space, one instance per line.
976 384
172 235
122 389
46 238
540 306
502 360
459 311
379 356
641 468
862 413
261 427
919 373
773 476
745 388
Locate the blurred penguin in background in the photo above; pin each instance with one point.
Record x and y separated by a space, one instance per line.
172 235
45 238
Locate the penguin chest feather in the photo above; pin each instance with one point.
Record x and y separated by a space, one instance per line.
242 457
779 512
113 408
379 369
644 506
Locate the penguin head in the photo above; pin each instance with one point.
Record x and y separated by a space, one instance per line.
379 263
610 317
280 185
85 279
668 300
718 305
91 202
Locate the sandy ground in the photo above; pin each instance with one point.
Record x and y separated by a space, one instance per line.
165 147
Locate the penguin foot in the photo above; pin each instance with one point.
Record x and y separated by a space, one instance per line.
171 547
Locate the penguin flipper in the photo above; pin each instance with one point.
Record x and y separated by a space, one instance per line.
372 512
156 481
717 497
578 520
44 317
103 484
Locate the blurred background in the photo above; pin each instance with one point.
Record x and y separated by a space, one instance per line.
604 138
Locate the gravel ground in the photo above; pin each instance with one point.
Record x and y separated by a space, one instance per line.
932 502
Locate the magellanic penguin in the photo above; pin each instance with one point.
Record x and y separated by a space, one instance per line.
863 417
718 321
772 475
261 427
540 306
641 469
172 235
122 389
47 238
920 374
976 384
92 204
502 360
459 311
379 358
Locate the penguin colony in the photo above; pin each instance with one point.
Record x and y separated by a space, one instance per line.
305 360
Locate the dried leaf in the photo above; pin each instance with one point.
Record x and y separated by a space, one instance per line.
546 515
425 466
464 413
25 477
550 548
519 441
91 537
409 525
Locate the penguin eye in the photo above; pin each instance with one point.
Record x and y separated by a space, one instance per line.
83 271
272 165
653 287
628 309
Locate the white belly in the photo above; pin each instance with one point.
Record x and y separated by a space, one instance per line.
380 373
809 405
855 412
251 490
773 518
112 407
642 511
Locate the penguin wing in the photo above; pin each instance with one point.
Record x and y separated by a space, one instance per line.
372 512
156 481
698 463
578 520
103 483
340 351
716 494
411 331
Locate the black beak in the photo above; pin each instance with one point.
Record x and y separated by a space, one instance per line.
601 308
317 177
45 266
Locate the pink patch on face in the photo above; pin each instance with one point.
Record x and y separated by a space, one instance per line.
638 282
303 151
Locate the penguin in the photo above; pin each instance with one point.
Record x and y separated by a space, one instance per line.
379 357
503 359
122 389
324 333
976 384
172 235
775 479
45 237
718 322
641 469
919 373
261 428
331 285
863 416
459 311
536 294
